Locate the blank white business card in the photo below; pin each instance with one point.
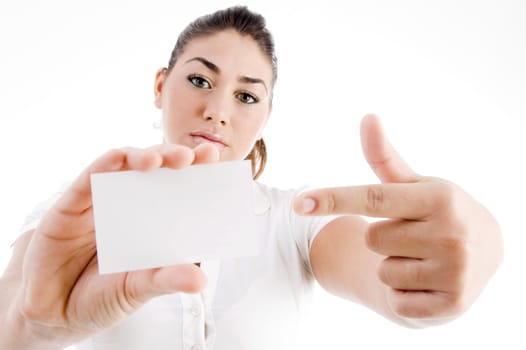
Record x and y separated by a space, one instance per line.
166 217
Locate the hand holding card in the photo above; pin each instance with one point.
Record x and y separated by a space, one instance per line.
62 292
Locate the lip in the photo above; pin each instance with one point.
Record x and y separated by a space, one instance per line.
207 136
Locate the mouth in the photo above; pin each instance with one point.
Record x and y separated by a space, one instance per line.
205 136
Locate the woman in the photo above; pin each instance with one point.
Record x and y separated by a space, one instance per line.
423 266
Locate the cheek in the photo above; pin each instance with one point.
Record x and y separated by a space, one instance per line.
177 107
250 129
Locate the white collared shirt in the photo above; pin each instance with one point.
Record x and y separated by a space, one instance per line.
249 303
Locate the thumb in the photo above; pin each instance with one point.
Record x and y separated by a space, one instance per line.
381 155
145 284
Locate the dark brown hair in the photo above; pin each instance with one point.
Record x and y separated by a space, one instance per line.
244 22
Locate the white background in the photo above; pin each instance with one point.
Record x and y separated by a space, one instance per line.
448 79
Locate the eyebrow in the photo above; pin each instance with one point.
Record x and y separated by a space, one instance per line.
214 68
206 63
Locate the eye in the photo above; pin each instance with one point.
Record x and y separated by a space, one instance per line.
247 98
199 82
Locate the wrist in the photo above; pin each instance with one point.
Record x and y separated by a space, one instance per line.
18 333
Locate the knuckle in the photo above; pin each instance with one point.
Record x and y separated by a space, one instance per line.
126 303
455 245
123 151
375 198
447 199
129 299
445 194
331 203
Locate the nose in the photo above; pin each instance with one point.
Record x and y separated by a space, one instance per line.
217 109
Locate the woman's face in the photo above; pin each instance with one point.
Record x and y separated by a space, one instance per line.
218 92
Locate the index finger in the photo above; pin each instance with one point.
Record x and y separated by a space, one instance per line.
77 197
413 201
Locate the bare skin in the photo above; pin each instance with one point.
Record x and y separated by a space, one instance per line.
426 263
52 294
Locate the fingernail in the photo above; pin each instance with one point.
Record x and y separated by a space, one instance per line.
308 205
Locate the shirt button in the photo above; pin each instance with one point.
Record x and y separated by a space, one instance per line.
196 311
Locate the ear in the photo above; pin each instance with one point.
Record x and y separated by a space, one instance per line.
160 77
